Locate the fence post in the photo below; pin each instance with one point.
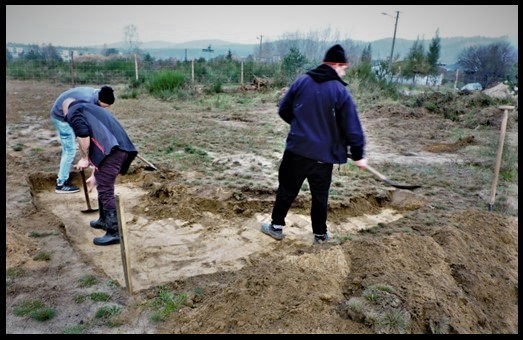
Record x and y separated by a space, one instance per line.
499 154
456 81
192 70
241 74
71 66
136 67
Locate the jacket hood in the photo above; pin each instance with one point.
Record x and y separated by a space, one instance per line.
325 73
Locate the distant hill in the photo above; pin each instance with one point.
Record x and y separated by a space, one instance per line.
190 49
450 48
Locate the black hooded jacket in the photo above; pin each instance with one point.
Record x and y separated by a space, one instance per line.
323 118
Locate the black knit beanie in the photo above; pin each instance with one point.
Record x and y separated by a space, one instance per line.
106 95
335 54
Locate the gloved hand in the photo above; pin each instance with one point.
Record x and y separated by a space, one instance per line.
362 163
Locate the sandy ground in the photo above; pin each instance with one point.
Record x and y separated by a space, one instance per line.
449 265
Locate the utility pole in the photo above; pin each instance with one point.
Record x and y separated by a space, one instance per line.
261 40
393 37
208 49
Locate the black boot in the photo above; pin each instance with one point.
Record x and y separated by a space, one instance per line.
100 222
112 235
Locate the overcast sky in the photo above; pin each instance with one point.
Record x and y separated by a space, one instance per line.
87 25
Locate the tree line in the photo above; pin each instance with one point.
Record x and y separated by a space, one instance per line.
485 64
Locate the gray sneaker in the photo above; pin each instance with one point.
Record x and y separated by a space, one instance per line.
66 188
321 238
268 229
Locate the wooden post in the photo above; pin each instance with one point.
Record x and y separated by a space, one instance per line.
192 70
123 246
499 154
456 81
241 74
136 66
71 65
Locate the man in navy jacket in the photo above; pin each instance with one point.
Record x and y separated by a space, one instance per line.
105 145
324 123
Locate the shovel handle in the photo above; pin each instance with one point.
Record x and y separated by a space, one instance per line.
85 190
376 173
147 162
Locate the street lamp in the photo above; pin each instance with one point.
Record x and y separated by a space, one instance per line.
393 37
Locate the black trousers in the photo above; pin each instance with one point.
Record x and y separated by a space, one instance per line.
293 171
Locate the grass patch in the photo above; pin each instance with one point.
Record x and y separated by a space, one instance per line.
166 303
344 238
18 147
356 304
113 284
14 272
42 256
100 296
109 315
35 309
43 314
79 298
88 281
393 322
371 296
37 234
78 329
26 306
11 274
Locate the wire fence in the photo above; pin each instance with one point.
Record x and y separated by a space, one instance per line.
98 71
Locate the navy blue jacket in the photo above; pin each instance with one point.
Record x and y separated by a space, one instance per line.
323 118
104 130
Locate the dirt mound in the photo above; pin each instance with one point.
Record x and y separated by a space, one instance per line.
451 147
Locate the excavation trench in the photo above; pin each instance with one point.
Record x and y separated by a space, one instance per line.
175 231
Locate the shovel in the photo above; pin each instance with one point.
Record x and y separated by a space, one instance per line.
89 209
385 179
150 166
389 182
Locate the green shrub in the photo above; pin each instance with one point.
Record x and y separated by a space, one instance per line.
164 82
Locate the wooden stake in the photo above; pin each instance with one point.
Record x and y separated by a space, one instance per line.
499 154
123 246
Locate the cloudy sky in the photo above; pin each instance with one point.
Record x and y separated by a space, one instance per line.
83 25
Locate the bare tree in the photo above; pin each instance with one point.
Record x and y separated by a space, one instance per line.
312 44
489 63
131 39
50 53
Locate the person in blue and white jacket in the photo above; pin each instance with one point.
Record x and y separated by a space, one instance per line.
324 127
103 97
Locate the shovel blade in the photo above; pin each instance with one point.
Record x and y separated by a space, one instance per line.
401 186
86 211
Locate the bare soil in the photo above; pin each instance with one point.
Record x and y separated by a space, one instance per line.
443 262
